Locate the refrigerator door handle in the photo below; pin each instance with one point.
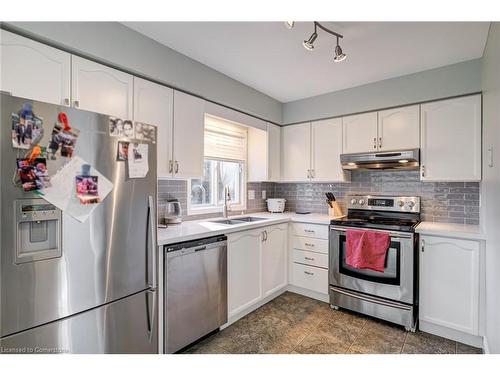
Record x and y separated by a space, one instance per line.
151 246
151 310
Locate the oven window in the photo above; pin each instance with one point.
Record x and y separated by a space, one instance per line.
392 269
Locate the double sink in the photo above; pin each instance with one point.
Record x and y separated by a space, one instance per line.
239 220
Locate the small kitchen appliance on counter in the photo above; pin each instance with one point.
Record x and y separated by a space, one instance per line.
390 295
276 205
173 212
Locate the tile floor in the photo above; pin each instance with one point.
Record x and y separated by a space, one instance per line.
296 324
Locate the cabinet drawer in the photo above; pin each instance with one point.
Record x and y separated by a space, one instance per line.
311 230
310 258
312 278
310 244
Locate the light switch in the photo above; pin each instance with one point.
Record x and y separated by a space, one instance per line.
263 194
251 194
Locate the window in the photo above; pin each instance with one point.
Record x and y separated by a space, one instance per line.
225 165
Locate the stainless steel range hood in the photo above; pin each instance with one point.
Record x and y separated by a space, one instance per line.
399 159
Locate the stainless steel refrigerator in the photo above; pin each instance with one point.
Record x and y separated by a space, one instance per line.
72 287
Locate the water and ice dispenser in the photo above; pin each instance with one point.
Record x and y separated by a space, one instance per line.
39 230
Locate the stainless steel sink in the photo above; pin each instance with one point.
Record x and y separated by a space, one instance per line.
239 220
227 222
250 219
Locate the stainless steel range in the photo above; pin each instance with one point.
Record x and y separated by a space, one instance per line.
389 295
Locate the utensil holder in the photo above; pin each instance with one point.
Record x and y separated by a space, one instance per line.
335 212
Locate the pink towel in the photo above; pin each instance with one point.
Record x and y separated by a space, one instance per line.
366 249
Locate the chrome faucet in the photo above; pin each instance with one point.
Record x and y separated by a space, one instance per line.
227 202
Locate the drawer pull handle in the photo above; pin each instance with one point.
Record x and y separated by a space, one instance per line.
309 244
308 231
308 273
307 258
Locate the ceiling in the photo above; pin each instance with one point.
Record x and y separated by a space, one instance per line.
270 58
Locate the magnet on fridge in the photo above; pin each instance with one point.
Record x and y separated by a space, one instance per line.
63 138
87 186
27 129
122 153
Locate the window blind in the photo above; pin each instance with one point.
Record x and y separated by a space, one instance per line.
224 140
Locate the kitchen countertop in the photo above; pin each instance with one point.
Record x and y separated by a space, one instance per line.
463 231
195 229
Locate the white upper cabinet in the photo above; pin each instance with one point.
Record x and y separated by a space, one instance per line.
296 152
153 104
264 154
360 133
189 136
34 70
451 140
326 150
258 168
274 152
449 283
399 128
274 264
101 89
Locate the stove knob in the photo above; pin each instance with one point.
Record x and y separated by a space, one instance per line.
401 203
354 201
361 202
411 204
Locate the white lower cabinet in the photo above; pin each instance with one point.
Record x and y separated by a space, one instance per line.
449 283
256 266
309 259
274 267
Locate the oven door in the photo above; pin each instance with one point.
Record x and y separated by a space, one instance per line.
395 283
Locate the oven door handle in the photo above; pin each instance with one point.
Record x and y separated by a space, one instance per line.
393 235
372 299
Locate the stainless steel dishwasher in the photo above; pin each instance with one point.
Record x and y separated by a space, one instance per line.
195 277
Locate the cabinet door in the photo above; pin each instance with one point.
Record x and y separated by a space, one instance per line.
326 150
189 131
101 89
360 133
257 155
399 128
34 70
451 140
274 266
296 152
153 104
449 283
274 152
243 270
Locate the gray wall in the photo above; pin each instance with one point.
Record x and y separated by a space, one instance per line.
491 183
447 81
116 44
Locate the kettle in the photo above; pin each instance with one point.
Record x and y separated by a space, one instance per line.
173 212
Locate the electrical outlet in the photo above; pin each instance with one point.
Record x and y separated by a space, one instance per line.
263 194
251 194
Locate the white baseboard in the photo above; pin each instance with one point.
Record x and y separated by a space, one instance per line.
309 293
449 333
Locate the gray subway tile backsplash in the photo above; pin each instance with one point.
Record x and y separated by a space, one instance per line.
453 202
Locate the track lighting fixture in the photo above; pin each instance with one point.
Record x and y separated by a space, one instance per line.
309 43
339 55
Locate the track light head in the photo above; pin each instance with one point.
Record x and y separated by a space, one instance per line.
309 43
339 55
289 24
